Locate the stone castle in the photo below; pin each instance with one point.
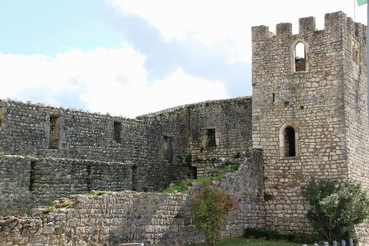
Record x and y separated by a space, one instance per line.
307 118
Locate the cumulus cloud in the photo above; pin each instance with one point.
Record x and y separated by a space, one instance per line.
216 24
101 80
161 53
225 25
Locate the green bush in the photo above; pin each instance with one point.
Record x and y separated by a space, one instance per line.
210 208
336 207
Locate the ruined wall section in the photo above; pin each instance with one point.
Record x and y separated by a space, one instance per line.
231 122
28 182
21 133
48 131
128 216
208 132
309 102
14 185
246 186
69 152
172 127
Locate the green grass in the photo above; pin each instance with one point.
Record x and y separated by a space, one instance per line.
217 175
241 241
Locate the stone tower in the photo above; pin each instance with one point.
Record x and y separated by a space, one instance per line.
309 110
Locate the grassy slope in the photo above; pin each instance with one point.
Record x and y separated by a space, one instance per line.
241 241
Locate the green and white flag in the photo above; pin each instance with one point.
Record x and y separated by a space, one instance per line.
361 2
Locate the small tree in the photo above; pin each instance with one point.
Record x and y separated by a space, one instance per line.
336 207
210 209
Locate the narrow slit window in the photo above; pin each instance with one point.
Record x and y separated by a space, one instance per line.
32 177
167 152
134 178
300 57
289 142
1 115
54 132
355 54
273 98
89 179
210 141
117 132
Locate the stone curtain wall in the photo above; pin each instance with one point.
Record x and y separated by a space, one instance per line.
26 129
151 218
83 137
15 197
187 126
246 186
83 153
320 104
231 120
104 220
27 183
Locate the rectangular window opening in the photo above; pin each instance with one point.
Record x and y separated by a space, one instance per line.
32 176
210 141
194 172
134 178
167 151
1 115
54 132
89 179
117 132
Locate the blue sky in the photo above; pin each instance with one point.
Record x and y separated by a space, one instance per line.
131 57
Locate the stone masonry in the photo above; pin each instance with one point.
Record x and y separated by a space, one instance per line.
129 216
310 121
307 118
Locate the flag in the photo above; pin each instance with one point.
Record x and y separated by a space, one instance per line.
361 2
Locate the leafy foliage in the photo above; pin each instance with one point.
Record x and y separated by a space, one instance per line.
210 209
336 207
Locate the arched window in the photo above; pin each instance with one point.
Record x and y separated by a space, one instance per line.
300 57
288 141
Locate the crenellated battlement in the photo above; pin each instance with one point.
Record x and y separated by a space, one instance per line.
333 22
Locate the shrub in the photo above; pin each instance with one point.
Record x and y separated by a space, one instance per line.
210 209
336 207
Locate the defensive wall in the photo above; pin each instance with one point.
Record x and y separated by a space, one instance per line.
307 119
48 152
142 217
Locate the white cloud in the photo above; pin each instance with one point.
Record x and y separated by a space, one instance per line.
116 80
225 25
207 22
111 81
190 90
